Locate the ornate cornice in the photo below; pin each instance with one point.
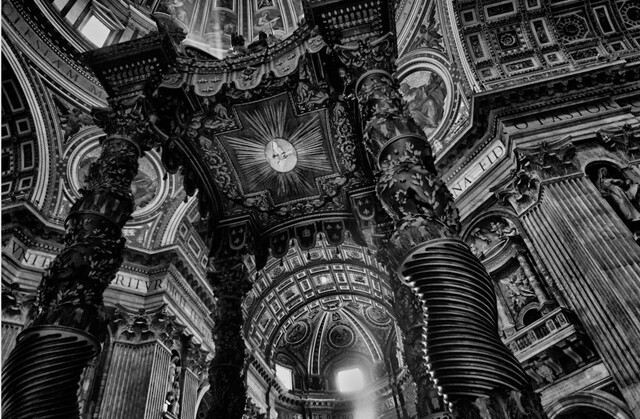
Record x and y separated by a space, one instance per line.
488 108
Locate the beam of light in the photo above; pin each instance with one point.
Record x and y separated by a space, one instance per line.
350 380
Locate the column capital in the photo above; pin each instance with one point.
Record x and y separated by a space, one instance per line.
148 325
521 190
130 120
197 359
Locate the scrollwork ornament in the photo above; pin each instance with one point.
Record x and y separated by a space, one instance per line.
344 135
501 405
197 359
549 159
625 139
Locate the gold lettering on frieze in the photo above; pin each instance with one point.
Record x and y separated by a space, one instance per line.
477 169
27 257
140 284
555 117
39 46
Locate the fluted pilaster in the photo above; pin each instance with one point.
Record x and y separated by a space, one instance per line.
189 395
596 264
137 381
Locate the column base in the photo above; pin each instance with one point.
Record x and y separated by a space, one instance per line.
501 405
41 376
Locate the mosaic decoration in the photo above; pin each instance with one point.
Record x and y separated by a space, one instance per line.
298 333
425 93
341 336
180 10
377 316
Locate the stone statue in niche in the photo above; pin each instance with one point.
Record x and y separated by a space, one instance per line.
622 194
519 290
173 395
544 371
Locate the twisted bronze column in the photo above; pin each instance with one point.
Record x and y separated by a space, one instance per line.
230 282
410 317
42 373
474 372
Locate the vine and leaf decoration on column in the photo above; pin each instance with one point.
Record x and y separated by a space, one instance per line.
71 290
229 277
415 196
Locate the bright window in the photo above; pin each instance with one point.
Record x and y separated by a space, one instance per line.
285 375
350 380
96 31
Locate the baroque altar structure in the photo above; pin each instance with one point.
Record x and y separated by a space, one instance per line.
222 208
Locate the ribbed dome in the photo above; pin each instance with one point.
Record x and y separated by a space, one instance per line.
210 23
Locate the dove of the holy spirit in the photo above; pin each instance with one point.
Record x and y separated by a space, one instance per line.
281 155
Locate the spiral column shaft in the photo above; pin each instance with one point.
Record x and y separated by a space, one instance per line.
464 350
230 282
45 365
42 374
473 371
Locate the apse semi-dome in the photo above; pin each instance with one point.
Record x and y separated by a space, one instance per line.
210 23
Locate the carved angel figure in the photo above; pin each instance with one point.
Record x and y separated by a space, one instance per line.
621 194
519 289
503 229
478 234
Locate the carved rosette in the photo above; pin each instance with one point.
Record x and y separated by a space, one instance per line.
230 282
